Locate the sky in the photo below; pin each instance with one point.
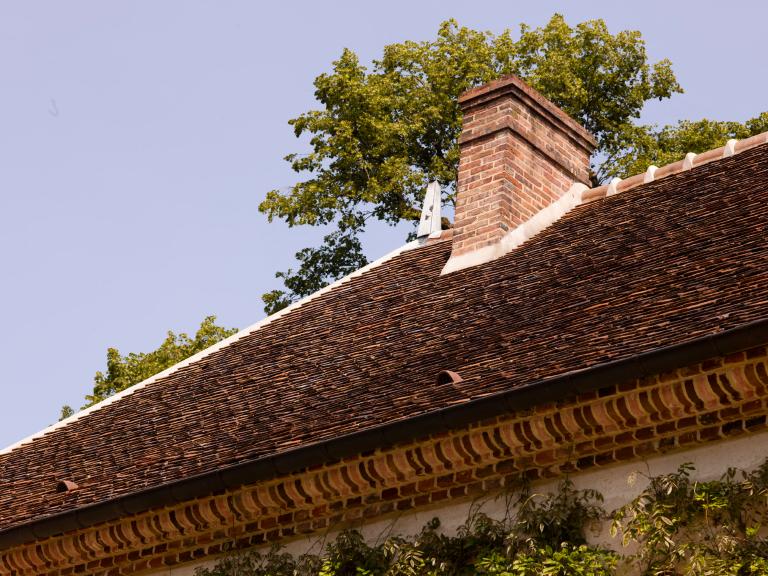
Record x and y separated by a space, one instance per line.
138 138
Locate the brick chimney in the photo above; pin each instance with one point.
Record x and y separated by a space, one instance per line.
519 154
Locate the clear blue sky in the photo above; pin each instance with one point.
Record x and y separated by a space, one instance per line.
137 139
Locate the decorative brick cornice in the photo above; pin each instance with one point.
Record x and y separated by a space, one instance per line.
631 420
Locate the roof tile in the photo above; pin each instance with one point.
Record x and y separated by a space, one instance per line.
662 263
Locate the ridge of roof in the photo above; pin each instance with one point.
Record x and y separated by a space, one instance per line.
689 162
211 349
579 194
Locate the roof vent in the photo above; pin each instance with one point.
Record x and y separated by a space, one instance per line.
66 486
448 377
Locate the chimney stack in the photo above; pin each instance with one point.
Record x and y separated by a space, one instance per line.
519 154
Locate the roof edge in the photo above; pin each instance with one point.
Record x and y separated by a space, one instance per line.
647 363
208 351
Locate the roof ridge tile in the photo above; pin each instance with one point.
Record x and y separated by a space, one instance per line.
689 162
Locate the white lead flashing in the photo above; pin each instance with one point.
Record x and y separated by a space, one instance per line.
525 231
208 351
431 219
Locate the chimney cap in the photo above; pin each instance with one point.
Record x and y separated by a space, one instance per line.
535 100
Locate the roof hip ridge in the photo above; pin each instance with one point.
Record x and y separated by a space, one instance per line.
208 351
689 162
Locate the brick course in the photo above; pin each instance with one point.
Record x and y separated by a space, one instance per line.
720 398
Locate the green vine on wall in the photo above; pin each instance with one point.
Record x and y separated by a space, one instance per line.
682 526
675 526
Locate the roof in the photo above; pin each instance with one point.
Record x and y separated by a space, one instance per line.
662 263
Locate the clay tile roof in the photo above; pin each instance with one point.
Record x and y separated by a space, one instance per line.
667 261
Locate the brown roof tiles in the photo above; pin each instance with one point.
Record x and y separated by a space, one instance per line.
665 262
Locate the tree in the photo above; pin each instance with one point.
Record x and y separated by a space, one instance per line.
125 371
661 146
381 135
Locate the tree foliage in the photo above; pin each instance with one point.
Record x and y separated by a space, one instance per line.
381 135
125 371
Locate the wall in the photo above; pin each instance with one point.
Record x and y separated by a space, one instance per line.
615 483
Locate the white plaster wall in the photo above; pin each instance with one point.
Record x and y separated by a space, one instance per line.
613 482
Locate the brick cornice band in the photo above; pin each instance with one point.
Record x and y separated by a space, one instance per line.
536 143
635 419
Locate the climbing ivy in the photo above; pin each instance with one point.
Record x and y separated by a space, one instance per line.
527 541
682 526
675 526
